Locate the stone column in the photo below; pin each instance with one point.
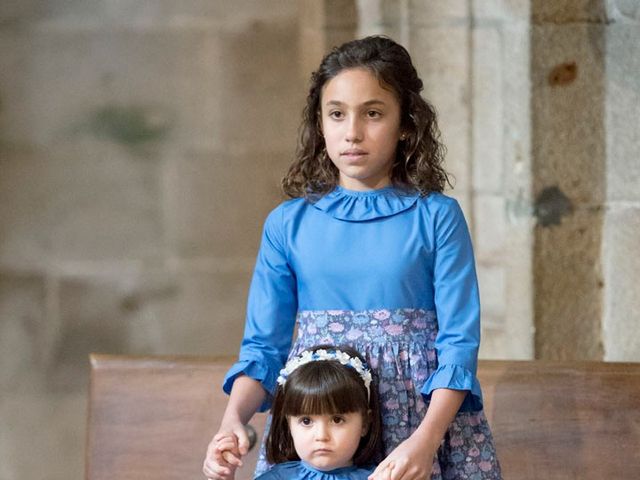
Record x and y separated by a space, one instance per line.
141 147
501 175
569 165
324 24
474 60
621 239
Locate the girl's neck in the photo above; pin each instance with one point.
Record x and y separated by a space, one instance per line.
358 186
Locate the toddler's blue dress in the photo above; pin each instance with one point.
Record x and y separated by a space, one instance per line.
302 471
392 274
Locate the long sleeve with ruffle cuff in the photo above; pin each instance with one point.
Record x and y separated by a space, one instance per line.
455 377
259 370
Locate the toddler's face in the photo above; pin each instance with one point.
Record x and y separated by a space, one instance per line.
327 442
361 128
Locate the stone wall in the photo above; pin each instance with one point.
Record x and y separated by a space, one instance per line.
621 238
141 147
585 93
142 143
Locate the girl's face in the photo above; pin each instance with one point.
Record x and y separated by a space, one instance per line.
361 128
327 441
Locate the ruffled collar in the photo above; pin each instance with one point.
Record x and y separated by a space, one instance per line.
359 206
334 472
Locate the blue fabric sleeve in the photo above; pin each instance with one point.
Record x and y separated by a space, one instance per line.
457 308
271 311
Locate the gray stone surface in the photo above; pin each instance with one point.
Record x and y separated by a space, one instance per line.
488 110
433 12
492 280
201 312
621 335
509 10
42 436
568 111
444 69
568 285
569 11
147 13
622 108
86 200
136 85
622 217
215 210
562 130
627 11
93 318
491 229
22 328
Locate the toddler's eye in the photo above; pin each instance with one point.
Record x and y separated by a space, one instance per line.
305 421
338 419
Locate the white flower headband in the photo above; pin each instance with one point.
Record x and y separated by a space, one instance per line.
335 355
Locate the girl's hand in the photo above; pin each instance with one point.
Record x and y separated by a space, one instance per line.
409 461
225 452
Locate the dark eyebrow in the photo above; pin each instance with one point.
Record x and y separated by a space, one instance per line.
368 103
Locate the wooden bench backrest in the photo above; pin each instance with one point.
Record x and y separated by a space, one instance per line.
152 418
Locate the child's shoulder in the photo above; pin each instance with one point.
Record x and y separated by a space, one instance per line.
287 209
438 202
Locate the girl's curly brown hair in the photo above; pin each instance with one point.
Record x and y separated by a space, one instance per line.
419 158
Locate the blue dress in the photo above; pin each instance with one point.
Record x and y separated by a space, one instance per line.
392 274
302 471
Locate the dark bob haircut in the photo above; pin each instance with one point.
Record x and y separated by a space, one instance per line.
419 157
319 388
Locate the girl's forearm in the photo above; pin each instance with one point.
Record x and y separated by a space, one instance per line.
443 407
246 397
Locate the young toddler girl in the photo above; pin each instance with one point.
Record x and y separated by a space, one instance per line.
325 418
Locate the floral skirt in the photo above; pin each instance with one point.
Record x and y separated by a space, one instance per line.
399 346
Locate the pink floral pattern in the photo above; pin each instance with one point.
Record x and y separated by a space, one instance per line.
399 346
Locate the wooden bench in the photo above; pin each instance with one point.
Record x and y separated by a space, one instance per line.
152 418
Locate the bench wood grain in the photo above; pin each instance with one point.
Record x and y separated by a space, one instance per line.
152 418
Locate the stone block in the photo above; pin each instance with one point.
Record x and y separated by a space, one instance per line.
94 317
621 264
145 13
22 328
491 230
516 115
12 10
256 100
568 111
216 203
15 52
488 110
501 10
85 201
137 86
42 436
492 282
441 57
623 112
569 11
203 315
434 12
568 299
193 308
627 11
340 14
